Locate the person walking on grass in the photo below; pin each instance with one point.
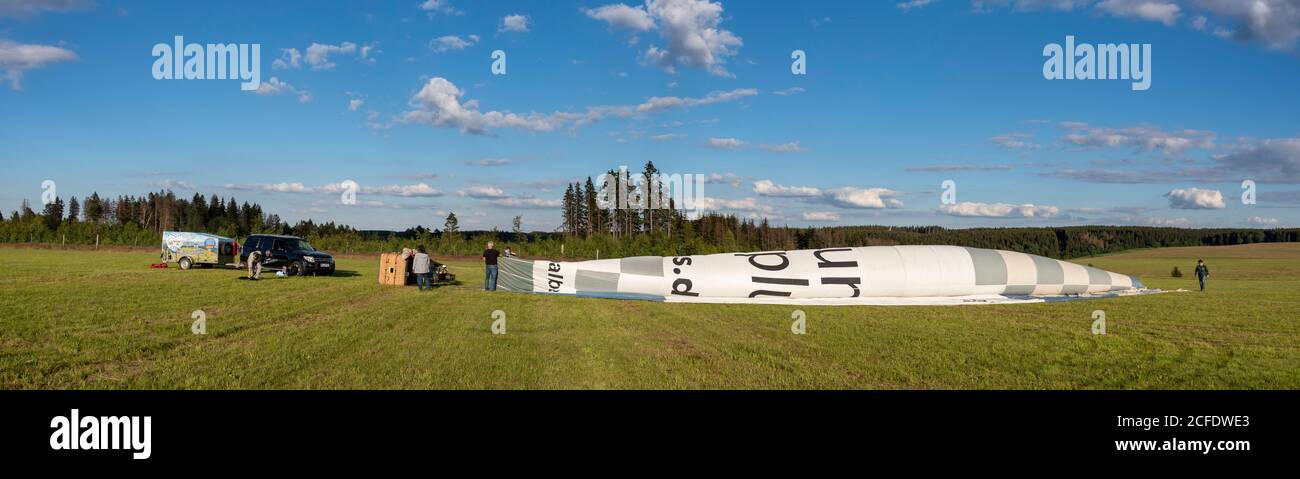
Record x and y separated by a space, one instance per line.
490 267
420 266
1202 272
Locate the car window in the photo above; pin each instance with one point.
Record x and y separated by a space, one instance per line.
253 244
278 245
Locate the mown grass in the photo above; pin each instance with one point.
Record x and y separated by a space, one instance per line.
104 320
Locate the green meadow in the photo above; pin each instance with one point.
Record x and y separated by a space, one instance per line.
72 319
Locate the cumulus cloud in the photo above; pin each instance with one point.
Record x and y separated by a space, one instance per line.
691 30
355 104
1000 210
482 192
275 86
723 179
514 23
434 7
439 103
750 207
769 188
725 143
820 216
844 197
317 56
447 43
16 58
623 16
1152 10
1195 199
863 198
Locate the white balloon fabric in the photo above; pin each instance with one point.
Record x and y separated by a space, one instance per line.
869 275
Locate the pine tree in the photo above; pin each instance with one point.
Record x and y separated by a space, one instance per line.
94 208
452 225
74 210
53 213
595 222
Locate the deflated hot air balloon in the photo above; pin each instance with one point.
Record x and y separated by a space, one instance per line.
870 275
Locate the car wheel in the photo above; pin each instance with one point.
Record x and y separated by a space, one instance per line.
185 263
295 268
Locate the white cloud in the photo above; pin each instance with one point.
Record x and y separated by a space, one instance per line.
355 104
483 192
434 7
661 103
1153 10
725 143
318 54
844 197
416 190
723 179
1261 221
15 58
275 86
910 4
868 198
768 188
1141 138
821 216
439 103
514 23
1195 199
791 147
452 42
623 16
1000 210
789 91
667 136
691 30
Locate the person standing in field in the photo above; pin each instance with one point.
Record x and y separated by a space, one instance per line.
490 267
420 266
1202 272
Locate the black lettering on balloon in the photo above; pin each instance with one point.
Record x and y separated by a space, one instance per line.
686 291
852 282
754 261
822 262
790 281
763 292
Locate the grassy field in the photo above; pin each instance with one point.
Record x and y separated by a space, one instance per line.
105 320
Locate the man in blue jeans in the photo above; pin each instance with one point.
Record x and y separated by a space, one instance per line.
490 266
1202 272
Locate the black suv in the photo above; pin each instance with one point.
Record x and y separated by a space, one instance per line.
289 253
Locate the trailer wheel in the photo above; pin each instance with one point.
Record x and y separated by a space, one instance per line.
185 263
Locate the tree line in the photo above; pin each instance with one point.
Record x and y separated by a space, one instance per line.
589 229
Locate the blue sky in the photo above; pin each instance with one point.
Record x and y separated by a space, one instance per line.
897 97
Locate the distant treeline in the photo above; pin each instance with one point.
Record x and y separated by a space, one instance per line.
588 233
